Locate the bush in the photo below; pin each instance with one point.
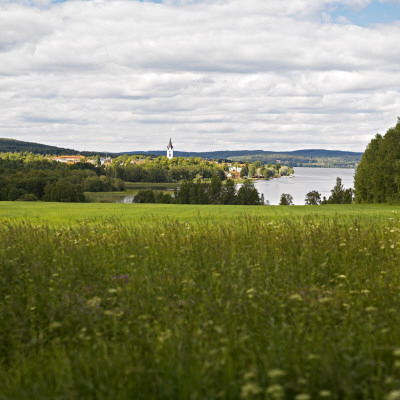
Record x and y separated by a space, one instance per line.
28 197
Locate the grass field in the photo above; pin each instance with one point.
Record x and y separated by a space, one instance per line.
115 301
70 213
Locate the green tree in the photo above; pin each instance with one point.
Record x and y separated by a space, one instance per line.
286 199
229 192
215 190
377 178
252 170
64 191
313 198
248 194
339 195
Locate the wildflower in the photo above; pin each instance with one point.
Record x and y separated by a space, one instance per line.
94 302
249 390
370 309
114 313
393 395
303 396
55 325
296 297
325 393
274 392
276 373
112 290
396 352
324 299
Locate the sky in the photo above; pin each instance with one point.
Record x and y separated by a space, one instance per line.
126 75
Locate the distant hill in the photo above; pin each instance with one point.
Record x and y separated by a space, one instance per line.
16 146
297 158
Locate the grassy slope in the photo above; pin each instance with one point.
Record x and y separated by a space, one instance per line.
54 213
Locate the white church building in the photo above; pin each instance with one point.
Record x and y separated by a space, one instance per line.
170 150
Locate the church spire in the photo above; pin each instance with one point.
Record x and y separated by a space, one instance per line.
170 151
170 147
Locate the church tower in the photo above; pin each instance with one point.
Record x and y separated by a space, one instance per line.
170 150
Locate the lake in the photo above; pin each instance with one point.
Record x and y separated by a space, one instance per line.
303 181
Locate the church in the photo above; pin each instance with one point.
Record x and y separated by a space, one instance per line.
170 150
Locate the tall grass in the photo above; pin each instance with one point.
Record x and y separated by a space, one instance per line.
250 308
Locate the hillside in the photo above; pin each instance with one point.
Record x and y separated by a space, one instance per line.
297 158
16 146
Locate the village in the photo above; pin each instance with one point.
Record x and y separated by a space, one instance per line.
233 170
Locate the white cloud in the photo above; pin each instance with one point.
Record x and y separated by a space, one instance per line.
223 74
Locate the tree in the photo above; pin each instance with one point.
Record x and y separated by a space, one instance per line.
377 178
248 194
245 170
229 192
144 196
313 198
252 170
286 200
64 191
215 190
284 171
339 195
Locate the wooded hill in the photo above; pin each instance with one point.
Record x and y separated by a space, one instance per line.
297 158
17 146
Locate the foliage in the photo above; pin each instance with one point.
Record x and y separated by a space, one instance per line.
377 178
240 308
313 198
248 194
17 146
339 195
161 169
25 176
286 200
198 192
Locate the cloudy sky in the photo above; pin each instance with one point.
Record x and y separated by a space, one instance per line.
124 75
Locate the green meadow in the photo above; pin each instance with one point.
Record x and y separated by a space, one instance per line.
139 301
72 213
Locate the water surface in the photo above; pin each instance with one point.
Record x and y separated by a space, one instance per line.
303 181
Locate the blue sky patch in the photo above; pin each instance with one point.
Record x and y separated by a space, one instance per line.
374 13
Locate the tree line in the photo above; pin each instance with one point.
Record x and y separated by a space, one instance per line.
377 179
162 170
198 192
30 177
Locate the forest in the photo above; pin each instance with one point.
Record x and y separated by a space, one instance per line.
377 179
29 177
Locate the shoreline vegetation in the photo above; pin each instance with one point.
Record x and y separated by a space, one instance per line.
29 177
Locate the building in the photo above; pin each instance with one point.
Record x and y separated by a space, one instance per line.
69 159
170 150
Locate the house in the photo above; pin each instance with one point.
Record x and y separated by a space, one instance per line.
69 159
